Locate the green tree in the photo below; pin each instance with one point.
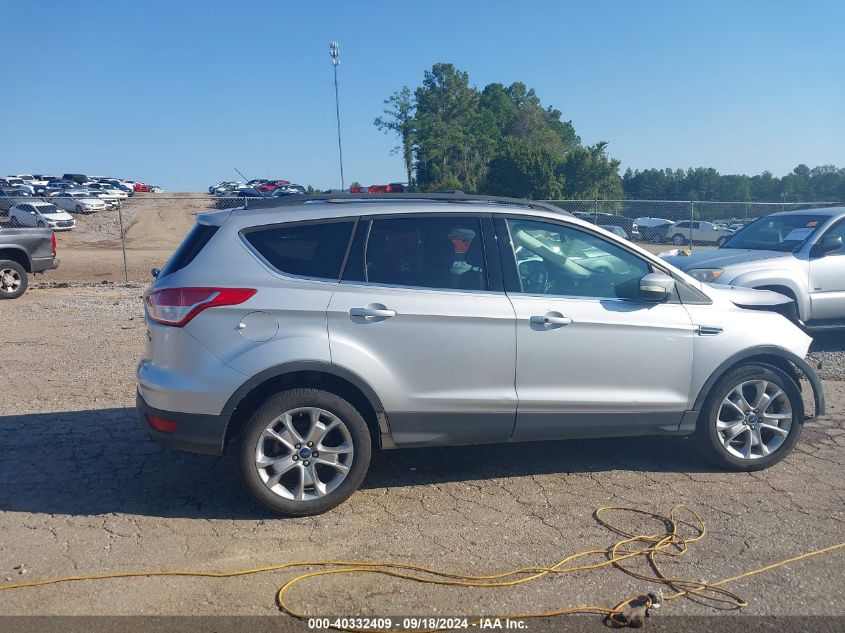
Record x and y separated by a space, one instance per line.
524 169
588 173
399 119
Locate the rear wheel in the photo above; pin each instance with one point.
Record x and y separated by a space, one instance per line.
752 418
13 279
304 452
678 239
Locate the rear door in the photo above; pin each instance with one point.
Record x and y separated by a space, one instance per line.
593 358
422 316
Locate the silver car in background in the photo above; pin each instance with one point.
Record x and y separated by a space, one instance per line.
318 328
799 254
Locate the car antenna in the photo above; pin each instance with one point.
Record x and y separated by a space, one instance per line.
241 174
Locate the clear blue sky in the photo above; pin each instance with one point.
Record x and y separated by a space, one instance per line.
180 92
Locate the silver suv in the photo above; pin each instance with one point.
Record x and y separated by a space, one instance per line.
799 254
316 328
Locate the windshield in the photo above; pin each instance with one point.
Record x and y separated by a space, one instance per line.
48 209
784 233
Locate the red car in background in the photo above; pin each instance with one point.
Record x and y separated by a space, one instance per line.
394 187
273 184
141 187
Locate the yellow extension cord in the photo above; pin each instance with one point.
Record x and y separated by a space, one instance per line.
668 543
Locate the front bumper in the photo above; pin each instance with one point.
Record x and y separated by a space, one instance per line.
196 433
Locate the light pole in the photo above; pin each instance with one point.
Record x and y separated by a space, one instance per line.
334 52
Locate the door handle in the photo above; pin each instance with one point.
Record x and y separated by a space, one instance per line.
381 313
550 319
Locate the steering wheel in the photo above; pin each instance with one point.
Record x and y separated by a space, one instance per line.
534 276
550 255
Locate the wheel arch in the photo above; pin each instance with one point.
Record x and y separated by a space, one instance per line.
17 255
774 280
343 382
782 359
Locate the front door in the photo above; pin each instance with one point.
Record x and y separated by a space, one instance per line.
827 281
593 358
421 321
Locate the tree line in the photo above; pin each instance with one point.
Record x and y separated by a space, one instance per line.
502 140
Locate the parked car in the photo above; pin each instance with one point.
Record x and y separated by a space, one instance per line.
141 187
79 201
238 198
41 214
616 230
108 188
699 232
24 251
438 337
651 229
79 179
118 185
607 219
11 197
270 185
798 254
156 189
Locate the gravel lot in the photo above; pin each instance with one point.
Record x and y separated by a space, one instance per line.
83 491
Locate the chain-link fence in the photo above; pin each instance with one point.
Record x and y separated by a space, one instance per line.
123 241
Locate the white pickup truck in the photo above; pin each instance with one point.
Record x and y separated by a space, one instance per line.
799 254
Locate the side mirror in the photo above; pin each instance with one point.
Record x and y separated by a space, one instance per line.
827 244
657 287
155 272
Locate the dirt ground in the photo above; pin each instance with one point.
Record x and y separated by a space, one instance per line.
83 491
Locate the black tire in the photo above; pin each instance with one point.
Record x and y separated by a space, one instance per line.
708 436
678 239
289 400
7 264
721 240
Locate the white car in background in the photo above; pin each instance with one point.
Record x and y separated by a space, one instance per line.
79 201
110 199
41 214
698 232
108 188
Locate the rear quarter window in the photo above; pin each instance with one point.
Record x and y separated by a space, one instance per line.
191 246
316 249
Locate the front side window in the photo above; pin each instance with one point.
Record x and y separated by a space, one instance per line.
439 252
559 260
309 250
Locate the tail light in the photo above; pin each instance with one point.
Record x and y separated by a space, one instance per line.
177 306
53 243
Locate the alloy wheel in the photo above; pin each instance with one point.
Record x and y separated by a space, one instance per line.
10 280
304 454
754 419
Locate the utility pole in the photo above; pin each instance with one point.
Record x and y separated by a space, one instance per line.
334 53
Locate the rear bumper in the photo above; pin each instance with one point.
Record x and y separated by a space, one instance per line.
195 432
40 264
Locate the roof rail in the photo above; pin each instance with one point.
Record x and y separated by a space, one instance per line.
440 196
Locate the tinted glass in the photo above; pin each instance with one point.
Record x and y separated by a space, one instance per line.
558 260
427 252
189 249
785 233
310 250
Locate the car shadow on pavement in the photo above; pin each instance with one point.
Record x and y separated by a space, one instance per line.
100 461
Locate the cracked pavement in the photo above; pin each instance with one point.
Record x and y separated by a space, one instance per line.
82 491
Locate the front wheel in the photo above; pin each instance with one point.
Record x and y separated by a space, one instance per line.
752 418
304 452
678 239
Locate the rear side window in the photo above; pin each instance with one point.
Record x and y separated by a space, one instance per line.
309 250
427 252
189 249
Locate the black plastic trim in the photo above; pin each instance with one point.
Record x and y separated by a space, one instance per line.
766 350
195 433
